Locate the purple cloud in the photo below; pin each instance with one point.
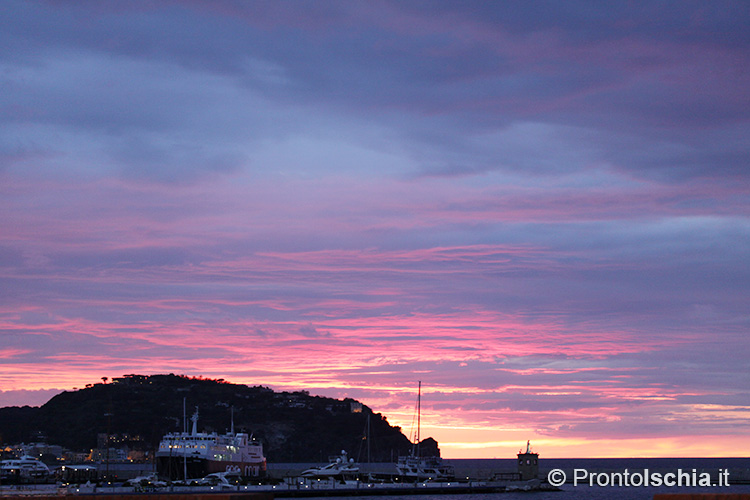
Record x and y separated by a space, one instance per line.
540 210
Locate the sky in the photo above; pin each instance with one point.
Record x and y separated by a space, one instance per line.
540 210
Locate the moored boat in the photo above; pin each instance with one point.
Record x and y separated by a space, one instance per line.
416 467
340 466
196 454
26 469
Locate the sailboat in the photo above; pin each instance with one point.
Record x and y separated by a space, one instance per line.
418 468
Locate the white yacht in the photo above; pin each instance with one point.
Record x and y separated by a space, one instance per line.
338 466
24 469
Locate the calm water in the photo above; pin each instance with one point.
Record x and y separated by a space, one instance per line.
568 493
739 468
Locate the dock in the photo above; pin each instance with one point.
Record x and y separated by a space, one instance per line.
270 491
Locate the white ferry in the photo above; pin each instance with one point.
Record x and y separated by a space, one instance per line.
188 455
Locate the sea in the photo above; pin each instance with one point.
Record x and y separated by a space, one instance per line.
606 470
565 494
603 471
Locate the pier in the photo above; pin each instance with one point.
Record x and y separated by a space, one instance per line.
266 492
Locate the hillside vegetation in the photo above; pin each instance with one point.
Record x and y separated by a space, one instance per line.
138 410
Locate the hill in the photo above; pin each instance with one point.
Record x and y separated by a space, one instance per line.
138 410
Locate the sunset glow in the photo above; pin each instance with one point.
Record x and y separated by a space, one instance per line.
542 216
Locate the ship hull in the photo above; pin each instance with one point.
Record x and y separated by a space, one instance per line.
175 467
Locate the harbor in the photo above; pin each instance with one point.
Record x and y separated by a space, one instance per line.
199 461
282 490
284 480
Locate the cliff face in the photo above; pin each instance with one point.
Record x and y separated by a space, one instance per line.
138 410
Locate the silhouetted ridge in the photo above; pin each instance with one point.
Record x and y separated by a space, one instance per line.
139 409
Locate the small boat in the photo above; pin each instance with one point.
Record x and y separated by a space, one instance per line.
148 480
338 466
26 469
415 467
224 480
424 469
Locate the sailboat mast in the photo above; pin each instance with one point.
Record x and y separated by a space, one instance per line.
368 438
184 451
419 416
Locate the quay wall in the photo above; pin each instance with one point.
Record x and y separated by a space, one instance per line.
162 496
